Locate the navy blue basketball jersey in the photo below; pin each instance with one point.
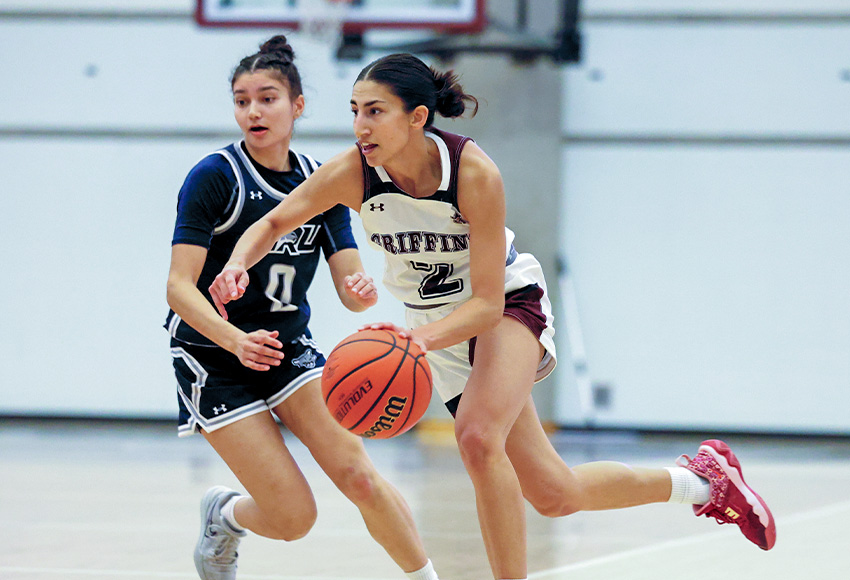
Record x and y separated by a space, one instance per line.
221 197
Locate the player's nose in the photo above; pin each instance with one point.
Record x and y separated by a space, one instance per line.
360 127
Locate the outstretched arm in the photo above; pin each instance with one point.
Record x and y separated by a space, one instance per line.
340 180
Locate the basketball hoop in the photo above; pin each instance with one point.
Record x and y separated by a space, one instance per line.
322 20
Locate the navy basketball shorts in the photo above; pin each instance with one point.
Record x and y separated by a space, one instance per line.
452 366
214 389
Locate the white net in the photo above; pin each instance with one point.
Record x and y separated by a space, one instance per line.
322 20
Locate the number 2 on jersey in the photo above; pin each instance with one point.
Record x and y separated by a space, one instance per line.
436 283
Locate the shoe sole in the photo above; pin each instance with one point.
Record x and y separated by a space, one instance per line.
208 502
732 467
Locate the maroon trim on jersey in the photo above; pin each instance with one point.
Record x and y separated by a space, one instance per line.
524 305
373 185
454 143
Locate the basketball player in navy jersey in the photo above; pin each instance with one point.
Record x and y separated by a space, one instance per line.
434 204
235 371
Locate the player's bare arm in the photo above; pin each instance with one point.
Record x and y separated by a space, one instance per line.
340 180
256 350
481 197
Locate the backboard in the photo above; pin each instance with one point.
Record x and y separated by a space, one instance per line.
449 16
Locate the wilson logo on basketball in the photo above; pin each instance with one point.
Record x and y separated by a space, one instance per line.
352 398
393 409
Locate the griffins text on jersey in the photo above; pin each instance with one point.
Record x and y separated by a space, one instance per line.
418 242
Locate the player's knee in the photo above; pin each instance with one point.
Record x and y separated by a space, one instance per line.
479 448
358 483
552 497
554 510
553 505
293 523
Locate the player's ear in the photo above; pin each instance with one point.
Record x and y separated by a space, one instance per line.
298 106
419 116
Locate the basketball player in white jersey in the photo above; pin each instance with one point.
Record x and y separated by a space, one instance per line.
235 373
434 204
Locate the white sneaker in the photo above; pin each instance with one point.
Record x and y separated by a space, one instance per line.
215 553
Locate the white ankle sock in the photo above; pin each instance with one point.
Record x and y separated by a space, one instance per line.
688 487
425 573
229 516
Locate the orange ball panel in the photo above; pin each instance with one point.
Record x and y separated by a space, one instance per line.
377 384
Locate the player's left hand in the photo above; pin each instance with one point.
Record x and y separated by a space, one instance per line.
361 288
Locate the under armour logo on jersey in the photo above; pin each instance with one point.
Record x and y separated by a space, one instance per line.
221 409
306 360
256 194
373 207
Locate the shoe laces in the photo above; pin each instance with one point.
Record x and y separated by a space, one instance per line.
719 516
705 466
223 545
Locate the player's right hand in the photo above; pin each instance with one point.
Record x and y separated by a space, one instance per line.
401 331
259 350
229 285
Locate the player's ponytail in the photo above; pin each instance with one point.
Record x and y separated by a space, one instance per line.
451 100
277 56
415 83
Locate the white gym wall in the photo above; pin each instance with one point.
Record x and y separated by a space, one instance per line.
693 172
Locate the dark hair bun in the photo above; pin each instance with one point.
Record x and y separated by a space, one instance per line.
278 46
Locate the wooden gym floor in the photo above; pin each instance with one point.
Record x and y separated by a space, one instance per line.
105 500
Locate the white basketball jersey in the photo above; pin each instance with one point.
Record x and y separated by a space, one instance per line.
425 241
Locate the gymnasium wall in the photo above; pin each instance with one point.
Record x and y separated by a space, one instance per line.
104 111
691 170
705 205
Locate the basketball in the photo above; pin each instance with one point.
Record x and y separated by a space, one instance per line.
376 384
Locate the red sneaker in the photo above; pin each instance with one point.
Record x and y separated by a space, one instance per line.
732 500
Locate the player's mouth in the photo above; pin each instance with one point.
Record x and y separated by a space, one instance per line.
259 130
367 147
